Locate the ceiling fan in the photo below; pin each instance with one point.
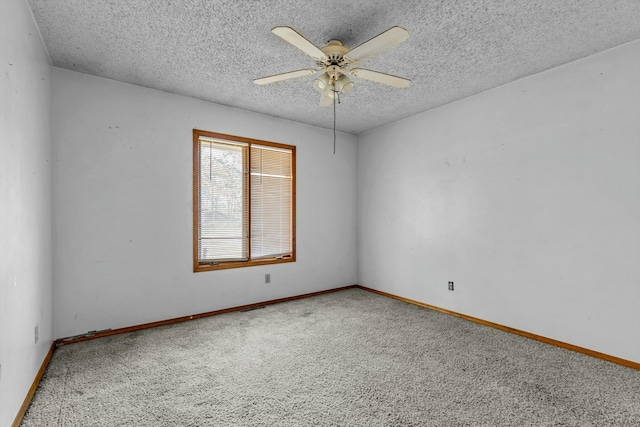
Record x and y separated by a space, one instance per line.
336 61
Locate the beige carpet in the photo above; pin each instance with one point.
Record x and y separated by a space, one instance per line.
350 358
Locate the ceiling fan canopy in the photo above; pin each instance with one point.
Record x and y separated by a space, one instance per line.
336 62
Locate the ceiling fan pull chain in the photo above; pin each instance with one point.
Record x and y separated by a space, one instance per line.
334 123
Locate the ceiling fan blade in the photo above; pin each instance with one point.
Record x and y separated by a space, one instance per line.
390 38
284 76
326 98
385 79
291 36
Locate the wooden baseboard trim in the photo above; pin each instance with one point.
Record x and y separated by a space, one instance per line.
593 353
34 386
108 332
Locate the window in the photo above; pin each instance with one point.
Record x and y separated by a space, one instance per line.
243 201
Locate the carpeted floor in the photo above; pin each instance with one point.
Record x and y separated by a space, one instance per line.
350 358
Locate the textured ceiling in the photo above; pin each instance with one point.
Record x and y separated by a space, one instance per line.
213 49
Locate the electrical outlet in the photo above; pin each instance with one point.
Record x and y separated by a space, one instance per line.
36 334
450 286
267 278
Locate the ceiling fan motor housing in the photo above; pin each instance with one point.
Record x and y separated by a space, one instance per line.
335 51
334 61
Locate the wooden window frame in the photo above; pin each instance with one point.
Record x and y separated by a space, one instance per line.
199 266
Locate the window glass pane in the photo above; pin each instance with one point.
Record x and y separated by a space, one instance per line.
222 205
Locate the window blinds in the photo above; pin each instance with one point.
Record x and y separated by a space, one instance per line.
271 217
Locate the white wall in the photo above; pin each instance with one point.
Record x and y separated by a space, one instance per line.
123 207
25 205
526 196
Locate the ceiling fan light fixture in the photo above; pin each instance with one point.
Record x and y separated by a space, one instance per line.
344 84
322 82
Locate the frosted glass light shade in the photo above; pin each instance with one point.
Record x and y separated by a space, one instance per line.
344 84
322 82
